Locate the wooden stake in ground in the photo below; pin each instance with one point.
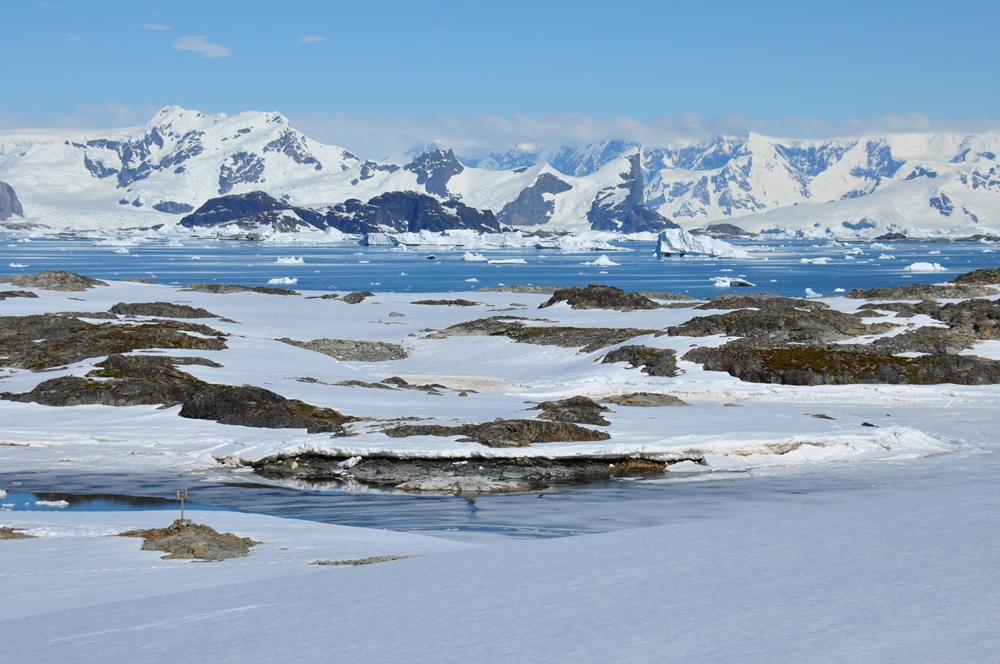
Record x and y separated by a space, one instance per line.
182 495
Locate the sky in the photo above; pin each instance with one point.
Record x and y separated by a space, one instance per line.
388 72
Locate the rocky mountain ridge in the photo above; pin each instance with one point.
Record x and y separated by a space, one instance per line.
182 160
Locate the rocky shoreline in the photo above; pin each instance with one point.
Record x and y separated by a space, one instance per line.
757 338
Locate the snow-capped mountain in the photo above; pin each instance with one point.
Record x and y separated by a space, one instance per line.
181 161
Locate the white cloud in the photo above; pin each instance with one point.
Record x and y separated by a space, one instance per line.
153 26
200 44
311 39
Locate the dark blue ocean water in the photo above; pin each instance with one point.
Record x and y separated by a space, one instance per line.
775 267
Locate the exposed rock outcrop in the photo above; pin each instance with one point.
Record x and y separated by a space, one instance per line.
779 325
629 214
589 338
596 296
348 350
16 293
532 207
184 539
810 365
578 409
9 205
226 289
57 280
646 400
921 292
503 433
66 339
654 361
982 277
160 310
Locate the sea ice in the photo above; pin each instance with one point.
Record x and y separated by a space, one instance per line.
283 281
289 260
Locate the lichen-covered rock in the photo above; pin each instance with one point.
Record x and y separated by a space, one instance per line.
160 310
227 289
503 433
921 292
981 277
57 280
459 302
588 339
761 301
779 324
184 539
654 361
596 296
348 350
810 365
43 341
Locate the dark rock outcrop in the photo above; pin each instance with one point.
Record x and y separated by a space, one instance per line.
779 325
629 215
57 280
588 339
723 231
760 301
130 380
160 310
982 277
16 293
596 296
503 433
531 208
170 207
920 292
9 205
654 361
357 297
434 169
226 289
449 303
66 339
252 406
578 409
810 365
397 211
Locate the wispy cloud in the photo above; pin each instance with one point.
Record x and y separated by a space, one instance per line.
200 44
311 39
153 26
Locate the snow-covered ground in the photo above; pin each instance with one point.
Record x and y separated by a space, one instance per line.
898 565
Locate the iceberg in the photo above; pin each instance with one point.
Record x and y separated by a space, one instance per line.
678 242
726 282
810 293
925 267
469 256
282 281
289 260
602 261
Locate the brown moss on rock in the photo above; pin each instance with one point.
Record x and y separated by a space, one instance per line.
184 540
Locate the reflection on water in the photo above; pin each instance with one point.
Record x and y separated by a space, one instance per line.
92 502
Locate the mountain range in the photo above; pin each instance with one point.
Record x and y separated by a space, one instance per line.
186 169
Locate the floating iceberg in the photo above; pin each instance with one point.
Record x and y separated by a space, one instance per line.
289 260
507 261
282 281
925 267
469 256
51 503
822 260
726 282
678 242
811 293
603 261
18 265
886 257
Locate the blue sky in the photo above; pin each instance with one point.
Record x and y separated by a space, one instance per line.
780 67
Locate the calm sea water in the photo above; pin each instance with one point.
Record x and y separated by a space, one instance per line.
776 268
